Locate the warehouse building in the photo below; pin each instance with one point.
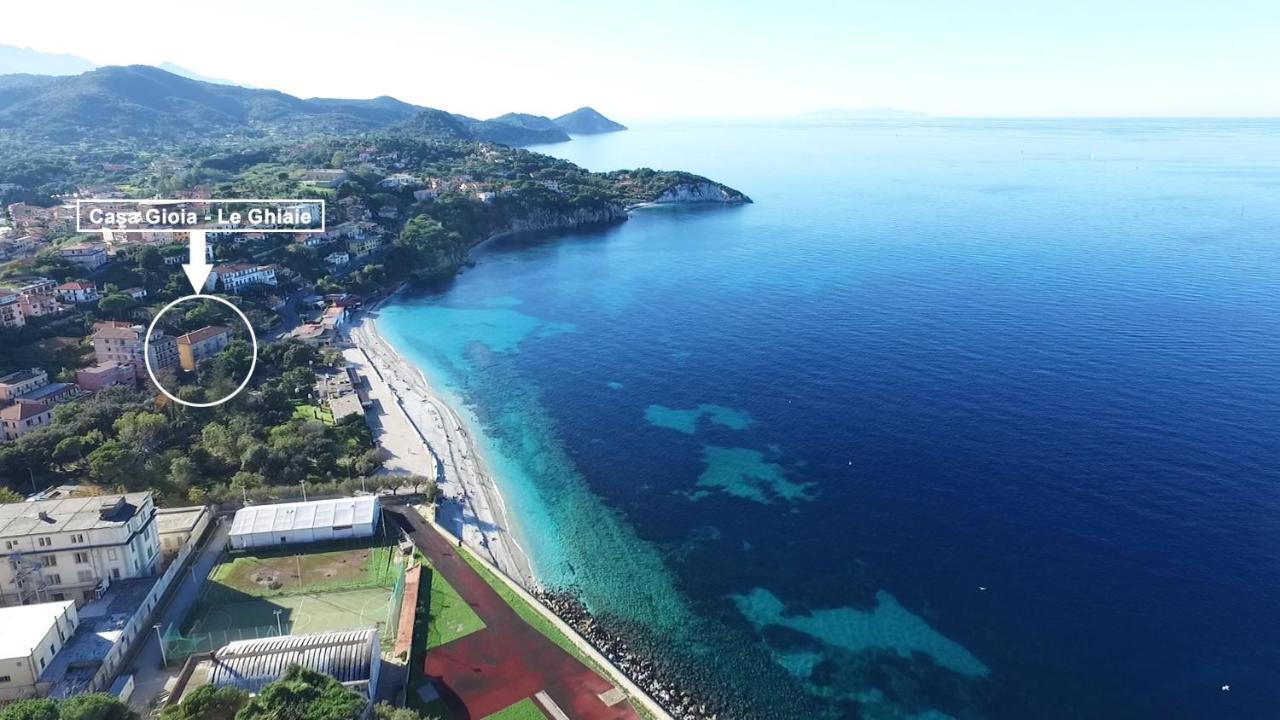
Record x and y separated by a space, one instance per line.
352 657
305 522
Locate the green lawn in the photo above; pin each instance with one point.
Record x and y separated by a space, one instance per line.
526 709
312 412
449 617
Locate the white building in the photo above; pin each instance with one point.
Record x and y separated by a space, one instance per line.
237 276
33 635
70 548
90 257
352 657
305 522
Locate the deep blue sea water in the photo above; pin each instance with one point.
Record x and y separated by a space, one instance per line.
960 418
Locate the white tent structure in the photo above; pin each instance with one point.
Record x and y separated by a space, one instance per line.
305 522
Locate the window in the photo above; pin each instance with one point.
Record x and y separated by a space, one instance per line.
54 579
5 678
77 538
44 541
84 575
82 557
115 573
111 554
50 560
8 544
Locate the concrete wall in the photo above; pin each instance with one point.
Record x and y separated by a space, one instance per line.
139 626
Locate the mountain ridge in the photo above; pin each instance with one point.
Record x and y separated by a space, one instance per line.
143 101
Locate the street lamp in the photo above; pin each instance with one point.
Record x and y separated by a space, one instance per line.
164 657
279 626
304 491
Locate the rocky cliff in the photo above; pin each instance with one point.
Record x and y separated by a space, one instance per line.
700 192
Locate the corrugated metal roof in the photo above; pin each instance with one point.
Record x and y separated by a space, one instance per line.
251 664
305 515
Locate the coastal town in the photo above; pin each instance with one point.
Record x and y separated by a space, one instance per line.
334 424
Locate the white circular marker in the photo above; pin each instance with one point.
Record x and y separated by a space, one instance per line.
146 346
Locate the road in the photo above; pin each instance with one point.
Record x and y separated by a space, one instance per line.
149 674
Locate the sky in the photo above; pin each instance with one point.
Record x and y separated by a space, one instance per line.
661 58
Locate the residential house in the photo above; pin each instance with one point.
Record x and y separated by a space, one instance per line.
137 293
199 345
21 418
50 394
105 375
90 257
78 291
337 258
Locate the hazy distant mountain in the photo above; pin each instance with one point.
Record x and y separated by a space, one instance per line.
519 129
192 75
25 60
863 114
586 121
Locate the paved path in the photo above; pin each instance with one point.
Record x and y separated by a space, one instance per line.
508 660
149 675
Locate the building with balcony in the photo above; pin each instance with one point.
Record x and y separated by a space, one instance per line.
72 548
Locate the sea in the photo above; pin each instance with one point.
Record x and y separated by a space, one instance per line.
959 419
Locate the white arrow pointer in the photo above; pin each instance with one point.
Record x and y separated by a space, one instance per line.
197 269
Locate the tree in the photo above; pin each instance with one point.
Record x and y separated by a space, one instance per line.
208 702
9 495
116 305
303 694
383 711
96 706
38 709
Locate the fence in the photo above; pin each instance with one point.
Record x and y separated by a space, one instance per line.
380 571
392 626
178 646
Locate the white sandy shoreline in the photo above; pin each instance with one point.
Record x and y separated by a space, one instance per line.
420 433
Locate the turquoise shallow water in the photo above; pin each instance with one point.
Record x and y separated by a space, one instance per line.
960 419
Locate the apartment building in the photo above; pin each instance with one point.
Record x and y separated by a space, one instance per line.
199 345
21 382
115 342
237 276
72 548
10 310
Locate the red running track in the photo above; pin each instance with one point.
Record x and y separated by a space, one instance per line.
507 661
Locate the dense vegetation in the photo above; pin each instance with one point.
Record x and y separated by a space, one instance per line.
94 706
257 445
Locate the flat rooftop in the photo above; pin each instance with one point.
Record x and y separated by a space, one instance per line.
26 625
181 519
67 514
102 622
